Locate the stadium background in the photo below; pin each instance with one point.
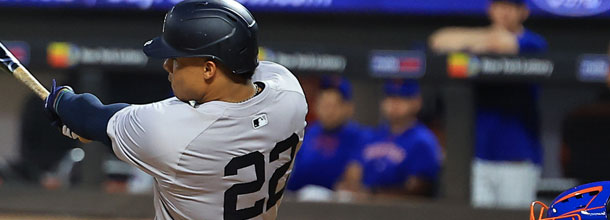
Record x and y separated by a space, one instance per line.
95 46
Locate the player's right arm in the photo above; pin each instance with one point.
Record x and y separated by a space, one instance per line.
421 171
454 39
475 40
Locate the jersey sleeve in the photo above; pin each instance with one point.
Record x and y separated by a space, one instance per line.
365 138
152 137
301 132
531 42
277 77
426 163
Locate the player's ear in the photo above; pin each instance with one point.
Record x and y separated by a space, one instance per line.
349 109
417 102
525 13
209 69
168 65
491 9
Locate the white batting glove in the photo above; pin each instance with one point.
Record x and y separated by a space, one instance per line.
68 133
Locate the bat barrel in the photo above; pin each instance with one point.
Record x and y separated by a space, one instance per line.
11 64
7 60
26 78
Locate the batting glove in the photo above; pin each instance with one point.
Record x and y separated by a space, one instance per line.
68 133
52 101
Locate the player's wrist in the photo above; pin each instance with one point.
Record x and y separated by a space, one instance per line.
52 103
61 92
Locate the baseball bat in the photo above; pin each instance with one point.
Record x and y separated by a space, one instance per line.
12 65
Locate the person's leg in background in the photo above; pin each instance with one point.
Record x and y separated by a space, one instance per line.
483 184
517 187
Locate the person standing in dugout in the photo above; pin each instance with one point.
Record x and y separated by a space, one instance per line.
508 152
223 147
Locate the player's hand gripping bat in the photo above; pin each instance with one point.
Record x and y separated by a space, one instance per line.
11 65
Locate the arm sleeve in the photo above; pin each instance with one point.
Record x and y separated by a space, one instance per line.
426 163
85 115
532 43
365 138
153 136
136 139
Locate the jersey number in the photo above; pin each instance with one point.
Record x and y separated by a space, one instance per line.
258 160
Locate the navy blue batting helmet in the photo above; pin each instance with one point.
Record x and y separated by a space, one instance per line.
584 202
222 30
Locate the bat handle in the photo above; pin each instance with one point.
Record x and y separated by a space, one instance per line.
84 140
24 76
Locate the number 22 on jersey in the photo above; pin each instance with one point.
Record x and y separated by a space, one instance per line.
257 159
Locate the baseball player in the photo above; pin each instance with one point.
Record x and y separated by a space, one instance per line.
401 157
223 148
508 151
331 141
505 35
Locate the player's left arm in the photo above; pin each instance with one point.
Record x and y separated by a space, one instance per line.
422 174
420 171
351 180
83 114
353 176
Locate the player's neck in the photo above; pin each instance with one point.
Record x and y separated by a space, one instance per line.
400 126
230 92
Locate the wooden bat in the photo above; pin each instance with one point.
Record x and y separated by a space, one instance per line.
12 65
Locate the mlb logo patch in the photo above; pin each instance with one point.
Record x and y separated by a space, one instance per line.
260 121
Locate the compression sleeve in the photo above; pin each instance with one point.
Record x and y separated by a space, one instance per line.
86 116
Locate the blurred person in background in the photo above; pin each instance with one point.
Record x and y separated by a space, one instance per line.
329 144
402 156
505 35
508 152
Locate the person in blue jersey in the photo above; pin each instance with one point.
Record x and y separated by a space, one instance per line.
330 141
505 35
508 152
402 156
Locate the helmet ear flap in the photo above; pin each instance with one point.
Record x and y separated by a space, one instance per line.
543 209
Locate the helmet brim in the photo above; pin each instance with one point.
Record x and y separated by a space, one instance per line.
159 48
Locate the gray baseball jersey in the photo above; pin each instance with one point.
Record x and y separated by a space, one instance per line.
217 160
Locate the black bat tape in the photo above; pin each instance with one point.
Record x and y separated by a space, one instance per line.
7 60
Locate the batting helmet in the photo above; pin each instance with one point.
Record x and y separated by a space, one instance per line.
585 202
222 30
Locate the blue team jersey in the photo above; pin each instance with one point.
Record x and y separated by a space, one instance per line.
389 160
508 130
324 155
507 114
530 42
